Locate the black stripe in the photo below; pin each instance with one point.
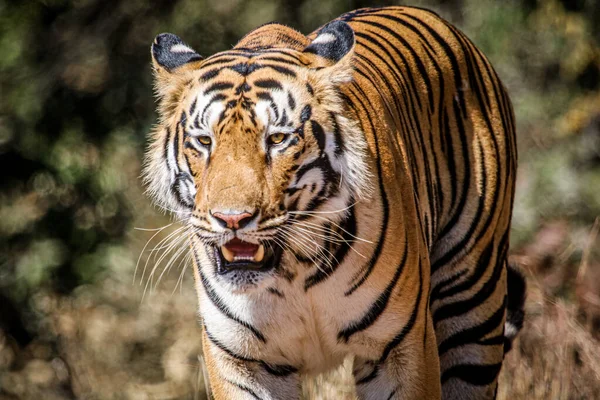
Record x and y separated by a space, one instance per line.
220 304
477 375
340 145
462 307
329 177
322 163
273 369
401 335
210 74
447 135
291 101
379 305
411 322
293 62
217 59
223 348
218 86
368 378
193 106
348 233
284 119
176 146
264 96
310 90
319 134
306 113
267 84
480 269
447 282
473 334
279 370
493 341
166 146
275 292
282 70
244 388
215 98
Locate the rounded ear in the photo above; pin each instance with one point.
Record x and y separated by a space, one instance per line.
334 41
170 52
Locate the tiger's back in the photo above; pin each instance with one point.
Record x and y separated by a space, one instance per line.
394 209
452 125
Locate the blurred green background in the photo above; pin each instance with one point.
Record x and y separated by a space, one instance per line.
76 104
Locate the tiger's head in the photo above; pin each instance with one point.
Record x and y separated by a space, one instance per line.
252 139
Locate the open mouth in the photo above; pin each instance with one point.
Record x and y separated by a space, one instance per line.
237 255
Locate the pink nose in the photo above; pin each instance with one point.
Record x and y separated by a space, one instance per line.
233 220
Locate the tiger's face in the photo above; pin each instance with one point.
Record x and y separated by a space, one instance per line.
251 141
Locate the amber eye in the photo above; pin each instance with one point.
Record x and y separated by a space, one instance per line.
205 140
276 138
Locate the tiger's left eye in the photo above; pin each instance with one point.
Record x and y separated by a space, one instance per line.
205 140
276 138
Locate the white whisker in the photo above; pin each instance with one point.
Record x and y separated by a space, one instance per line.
341 228
323 212
326 238
171 261
144 249
186 260
155 251
304 239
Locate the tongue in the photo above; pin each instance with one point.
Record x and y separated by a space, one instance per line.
241 249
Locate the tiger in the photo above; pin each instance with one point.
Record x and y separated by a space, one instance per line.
348 195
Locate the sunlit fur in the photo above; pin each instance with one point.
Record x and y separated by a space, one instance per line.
391 198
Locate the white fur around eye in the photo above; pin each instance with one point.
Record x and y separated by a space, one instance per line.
263 113
279 129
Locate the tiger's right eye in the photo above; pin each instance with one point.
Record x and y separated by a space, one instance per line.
205 140
276 138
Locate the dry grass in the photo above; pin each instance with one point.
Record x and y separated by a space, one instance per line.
554 357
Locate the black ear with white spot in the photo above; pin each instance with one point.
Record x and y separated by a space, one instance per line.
170 52
333 41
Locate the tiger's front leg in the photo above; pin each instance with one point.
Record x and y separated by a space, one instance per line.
408 368
235 377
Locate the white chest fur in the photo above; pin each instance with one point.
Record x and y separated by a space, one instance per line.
290 325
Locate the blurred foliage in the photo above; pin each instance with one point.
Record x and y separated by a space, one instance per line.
76 104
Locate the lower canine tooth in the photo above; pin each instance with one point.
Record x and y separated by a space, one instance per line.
228 255
260 254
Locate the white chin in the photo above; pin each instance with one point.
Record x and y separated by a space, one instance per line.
245 281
